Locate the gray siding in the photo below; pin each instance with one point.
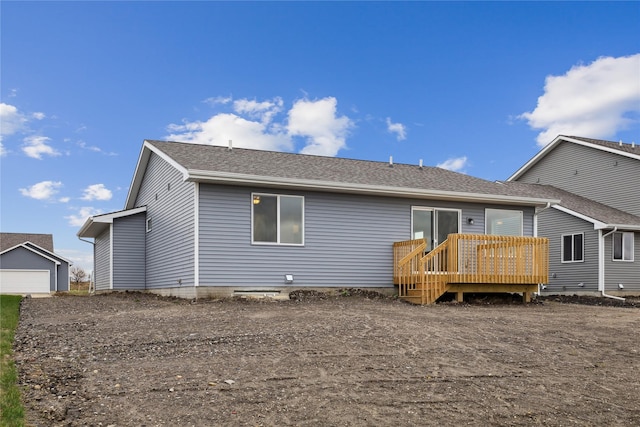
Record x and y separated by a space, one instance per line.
23 259
170 245
627 273
102 261
63 277
553 224
608 178
129 252
348 239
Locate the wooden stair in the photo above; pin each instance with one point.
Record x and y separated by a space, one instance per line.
423 278
470 263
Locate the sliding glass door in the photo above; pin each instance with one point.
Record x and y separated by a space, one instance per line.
434 225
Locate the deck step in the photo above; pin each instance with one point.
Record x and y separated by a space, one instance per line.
414 296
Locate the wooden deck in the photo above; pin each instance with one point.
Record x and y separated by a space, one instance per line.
470 263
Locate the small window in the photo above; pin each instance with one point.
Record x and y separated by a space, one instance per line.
503 222
623 246
573 247
277 219
148 225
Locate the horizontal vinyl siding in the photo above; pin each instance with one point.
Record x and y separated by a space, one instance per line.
553 223
23 259
129 252
102 269
605 177
170 244
63 277
625 272
348 239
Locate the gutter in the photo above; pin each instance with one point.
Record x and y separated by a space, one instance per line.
601 260
535 218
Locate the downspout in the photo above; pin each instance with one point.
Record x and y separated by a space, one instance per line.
601 272
92 289
535 218
536 212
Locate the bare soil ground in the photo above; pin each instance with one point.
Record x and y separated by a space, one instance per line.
358 359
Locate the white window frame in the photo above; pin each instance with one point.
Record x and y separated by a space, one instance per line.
519 212
433 218
572 252
624 253
278 243
148 225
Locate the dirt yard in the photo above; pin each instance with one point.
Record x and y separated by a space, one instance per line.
361 360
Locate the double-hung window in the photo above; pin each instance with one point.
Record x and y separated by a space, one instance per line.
277 219
573 247
623 246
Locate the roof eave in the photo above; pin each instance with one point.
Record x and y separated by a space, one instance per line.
621 227
290 183
95 225
141 167
597 224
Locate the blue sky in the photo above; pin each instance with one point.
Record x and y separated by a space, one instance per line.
477 87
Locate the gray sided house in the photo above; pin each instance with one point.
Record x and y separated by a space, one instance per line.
203 220
594 232
28 265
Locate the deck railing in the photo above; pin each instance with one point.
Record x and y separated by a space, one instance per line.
469 258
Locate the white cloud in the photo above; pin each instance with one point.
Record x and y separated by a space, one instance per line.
97 192
77 220
95 149
11 120
456 164
38 116
3 151
317 121
43 190
264 111
592 100
218 100
35 146
221 128
398 128
253 124
64 199
84 145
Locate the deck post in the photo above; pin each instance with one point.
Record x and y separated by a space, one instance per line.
460 296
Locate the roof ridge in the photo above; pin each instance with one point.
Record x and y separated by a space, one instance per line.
292 153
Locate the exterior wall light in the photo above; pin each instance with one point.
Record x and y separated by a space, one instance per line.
470 221
288 278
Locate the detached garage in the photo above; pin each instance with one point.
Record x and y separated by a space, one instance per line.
29 268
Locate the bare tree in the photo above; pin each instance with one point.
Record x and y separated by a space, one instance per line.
78 276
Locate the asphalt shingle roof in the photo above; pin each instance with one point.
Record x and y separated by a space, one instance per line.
623 147
259 163
582 205
9 240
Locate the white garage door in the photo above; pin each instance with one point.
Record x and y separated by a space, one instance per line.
24 281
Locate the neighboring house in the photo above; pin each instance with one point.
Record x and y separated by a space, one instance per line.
594 231
28 265
202 220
